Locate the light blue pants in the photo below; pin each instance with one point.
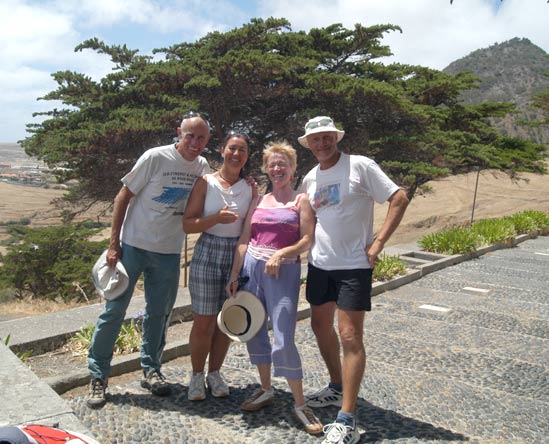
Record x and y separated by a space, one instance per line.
279 297
161 279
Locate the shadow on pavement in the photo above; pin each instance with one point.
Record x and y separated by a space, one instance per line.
374 423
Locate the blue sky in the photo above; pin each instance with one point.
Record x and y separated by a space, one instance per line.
37 37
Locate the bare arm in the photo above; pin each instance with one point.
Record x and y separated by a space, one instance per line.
240 249
193 221
397 206
306 228
121 202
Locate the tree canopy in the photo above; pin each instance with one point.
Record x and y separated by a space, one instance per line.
267 80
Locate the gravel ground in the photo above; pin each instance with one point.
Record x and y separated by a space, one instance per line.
476 373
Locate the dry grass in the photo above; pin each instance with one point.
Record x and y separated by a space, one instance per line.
33 307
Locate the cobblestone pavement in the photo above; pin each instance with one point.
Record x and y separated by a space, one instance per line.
476 373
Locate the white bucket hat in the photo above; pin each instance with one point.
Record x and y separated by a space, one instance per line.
110 282
241 316
318 125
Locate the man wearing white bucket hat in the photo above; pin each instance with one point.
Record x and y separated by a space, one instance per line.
147 237
342 189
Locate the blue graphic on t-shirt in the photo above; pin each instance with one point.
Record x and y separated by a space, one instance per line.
326 196
172 195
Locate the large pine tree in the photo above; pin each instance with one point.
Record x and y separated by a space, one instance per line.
267 80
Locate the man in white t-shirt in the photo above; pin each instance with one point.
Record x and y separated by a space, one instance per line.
342 190
147 237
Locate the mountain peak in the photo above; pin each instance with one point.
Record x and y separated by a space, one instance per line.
512 71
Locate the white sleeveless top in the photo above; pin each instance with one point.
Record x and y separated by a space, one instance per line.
237 198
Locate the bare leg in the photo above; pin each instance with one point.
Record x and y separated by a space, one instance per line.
322 322
296 386
265 376
219 348
351 325
201 339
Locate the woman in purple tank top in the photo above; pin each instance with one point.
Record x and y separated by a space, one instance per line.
276 231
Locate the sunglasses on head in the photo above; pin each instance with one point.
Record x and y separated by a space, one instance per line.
233 133
322 122
191 114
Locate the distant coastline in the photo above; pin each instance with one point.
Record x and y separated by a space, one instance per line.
14 154
19 169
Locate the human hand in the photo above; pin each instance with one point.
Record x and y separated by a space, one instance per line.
232 287
226 216
114 253
372 252
272 266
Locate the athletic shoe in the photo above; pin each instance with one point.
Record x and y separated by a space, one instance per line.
307 417
217 385
259 399
325 397
337 433
155 382
197 390
96 393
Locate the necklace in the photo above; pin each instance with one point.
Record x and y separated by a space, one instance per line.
230 182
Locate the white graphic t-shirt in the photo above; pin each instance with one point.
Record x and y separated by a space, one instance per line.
161 180
343 199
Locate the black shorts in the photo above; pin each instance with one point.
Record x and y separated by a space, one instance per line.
349 289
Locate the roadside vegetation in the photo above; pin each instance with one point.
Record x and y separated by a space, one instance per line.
50 263
467 239
128 341
387 268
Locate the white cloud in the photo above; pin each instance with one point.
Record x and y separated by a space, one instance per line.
435 33
38 36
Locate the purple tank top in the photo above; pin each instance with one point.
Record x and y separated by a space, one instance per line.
273 229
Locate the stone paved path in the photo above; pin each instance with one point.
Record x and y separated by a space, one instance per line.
471 368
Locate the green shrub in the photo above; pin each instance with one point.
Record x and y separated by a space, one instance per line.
128 340
540 218
493 231
6 295
523 223
50 262
388 267
458 240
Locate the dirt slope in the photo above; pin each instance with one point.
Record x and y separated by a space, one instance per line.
449 203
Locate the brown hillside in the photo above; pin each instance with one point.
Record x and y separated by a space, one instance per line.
449 203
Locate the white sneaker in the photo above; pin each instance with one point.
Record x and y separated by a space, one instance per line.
197 389
217 385
325 397
337 433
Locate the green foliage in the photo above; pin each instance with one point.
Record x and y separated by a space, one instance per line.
493 231
458 240
461 240
388 267
530 221
128 340
266 79
6 294
50 262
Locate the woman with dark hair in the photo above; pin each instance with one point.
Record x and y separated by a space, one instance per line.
217 208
